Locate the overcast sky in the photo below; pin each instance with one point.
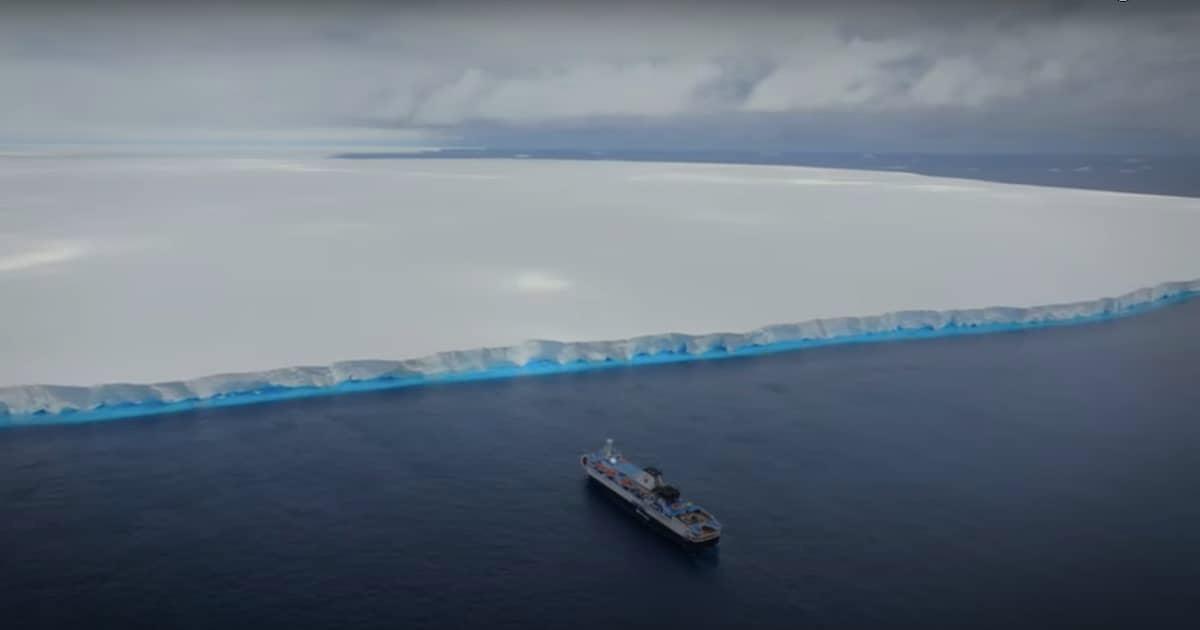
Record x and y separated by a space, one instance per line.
1089 75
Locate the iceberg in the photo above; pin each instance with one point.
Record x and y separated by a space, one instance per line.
142 273
52 404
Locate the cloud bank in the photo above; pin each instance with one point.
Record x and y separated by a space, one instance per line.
1034 75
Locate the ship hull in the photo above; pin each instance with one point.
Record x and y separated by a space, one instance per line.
634 508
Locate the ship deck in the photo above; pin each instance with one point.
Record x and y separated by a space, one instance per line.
698 520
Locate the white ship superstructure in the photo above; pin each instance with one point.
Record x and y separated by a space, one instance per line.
653 500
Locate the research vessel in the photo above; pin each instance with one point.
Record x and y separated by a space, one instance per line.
651 499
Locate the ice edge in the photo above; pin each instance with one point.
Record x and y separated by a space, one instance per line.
61 404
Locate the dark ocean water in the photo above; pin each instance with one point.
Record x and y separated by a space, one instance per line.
1046 478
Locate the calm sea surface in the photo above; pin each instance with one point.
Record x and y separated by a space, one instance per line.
1040 478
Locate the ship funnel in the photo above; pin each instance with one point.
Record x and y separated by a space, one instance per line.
608 448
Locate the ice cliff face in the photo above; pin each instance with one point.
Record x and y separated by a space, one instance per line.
50 403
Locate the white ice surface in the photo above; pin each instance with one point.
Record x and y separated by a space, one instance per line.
124 269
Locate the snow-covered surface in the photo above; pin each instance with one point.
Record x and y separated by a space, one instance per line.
117 270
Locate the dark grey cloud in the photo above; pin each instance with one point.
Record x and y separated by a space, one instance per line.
1016 75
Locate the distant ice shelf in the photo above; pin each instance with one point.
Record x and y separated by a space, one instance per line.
51 404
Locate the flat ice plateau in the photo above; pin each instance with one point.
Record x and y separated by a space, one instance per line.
119 270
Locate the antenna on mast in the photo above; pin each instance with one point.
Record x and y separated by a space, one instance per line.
608 448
